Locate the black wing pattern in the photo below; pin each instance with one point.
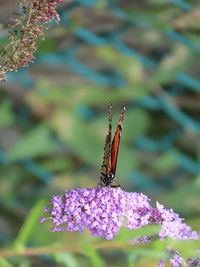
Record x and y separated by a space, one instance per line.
106 166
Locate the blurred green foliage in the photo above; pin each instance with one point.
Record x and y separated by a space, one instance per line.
53 128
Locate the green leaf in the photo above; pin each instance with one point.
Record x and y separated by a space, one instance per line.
165 162
46 46
93 255
172 65
57 164
7 116
66 259
187 195
27 228
136 122
4 263
91 95
37 142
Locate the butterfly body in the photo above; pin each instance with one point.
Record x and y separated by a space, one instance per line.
111 150
107 179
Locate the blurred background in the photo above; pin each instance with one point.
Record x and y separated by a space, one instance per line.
53 123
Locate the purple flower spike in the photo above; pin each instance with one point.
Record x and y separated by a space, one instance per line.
172 225
105 210
141 240
194 262
176 261
161 263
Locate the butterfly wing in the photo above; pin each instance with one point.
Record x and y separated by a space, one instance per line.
116 142
106 166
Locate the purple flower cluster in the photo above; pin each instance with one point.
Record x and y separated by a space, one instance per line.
161 263
194 262
105 210
176 260
172 225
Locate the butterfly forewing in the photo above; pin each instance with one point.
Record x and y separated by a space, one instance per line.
106 166
116 142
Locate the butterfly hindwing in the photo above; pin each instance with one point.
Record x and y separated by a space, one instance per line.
106 166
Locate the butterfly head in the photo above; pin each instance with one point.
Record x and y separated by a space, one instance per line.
107 179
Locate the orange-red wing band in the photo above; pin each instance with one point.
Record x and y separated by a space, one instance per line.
116 142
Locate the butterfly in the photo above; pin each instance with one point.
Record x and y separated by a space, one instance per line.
111 150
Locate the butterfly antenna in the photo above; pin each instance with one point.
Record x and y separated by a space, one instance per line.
110 117
121 119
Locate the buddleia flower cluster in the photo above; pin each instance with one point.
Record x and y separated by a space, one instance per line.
176 260
25 30
103 211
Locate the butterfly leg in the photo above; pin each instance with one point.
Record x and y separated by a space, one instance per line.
117 185
114 186
100 184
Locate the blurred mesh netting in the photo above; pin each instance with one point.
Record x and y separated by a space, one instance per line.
53 115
